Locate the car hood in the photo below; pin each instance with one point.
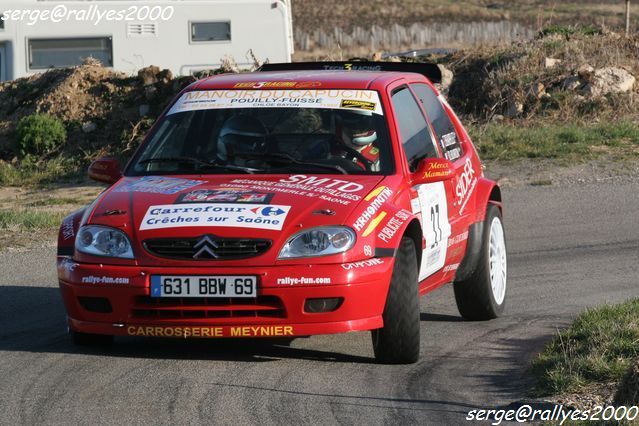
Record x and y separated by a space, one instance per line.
229 206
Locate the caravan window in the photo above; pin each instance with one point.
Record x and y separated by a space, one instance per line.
210 31
68 52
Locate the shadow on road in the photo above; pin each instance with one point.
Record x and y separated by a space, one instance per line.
33 320
439 318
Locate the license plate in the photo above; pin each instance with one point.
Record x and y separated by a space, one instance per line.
203 286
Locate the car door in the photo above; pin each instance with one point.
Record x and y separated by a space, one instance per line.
431 200
460 187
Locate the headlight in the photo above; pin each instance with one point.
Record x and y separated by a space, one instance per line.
103 241
320 241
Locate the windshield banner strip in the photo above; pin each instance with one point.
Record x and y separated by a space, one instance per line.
362 100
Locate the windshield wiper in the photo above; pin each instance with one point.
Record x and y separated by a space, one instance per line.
284 157
191 160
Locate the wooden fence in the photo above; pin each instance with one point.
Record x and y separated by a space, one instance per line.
397 36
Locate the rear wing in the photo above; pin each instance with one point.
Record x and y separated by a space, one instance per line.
429 70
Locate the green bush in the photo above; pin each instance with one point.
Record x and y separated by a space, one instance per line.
39 134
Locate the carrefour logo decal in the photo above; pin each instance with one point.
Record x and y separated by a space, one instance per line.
215 215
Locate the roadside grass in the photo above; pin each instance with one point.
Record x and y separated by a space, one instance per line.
558 141
27 174
52 202
597 348
29 220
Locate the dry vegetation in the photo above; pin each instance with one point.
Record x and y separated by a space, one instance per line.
309 15
559 121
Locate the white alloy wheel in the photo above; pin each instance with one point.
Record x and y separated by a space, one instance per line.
497 261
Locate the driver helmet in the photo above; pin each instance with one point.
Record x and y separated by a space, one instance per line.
241 133
356 127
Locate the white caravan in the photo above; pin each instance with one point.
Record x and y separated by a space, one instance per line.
185 36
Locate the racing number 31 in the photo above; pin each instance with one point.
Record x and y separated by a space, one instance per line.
436 226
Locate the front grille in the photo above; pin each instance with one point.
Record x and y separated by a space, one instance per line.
213 248
146 307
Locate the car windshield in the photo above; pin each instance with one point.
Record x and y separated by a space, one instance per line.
288 137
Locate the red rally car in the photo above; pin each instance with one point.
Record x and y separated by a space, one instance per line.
305 199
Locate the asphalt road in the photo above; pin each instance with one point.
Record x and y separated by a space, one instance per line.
570 248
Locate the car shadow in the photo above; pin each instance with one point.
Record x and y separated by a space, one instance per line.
33 320
439 317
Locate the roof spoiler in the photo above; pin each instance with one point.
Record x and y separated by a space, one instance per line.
429 70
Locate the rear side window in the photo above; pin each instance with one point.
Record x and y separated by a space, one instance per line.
415 135
442 125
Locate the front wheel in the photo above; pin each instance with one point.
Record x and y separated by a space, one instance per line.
398 341
483 295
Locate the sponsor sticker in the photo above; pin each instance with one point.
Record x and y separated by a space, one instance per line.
453 154
277 84
68 264
158 185
211 332
349 103
225 196
437 170
104 280
277 98
67 229
362 264
451 268
465 185
459 238
393 225
379 196
449 139
302 280
258 216
332 190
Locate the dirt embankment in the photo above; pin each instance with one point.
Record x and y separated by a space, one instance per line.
103 111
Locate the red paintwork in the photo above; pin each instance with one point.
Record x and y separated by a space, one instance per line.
363 288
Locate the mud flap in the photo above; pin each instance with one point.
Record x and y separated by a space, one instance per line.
473 251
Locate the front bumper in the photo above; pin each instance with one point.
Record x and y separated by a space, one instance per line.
115 300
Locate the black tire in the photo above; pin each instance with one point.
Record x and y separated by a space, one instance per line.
475 297
398 341
86 339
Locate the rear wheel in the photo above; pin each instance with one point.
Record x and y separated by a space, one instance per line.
87 339
483 295
398 341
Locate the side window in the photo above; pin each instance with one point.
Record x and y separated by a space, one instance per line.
68 52
202 32
414 131
443 126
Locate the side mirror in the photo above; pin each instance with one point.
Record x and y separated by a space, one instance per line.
432 170
106 170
